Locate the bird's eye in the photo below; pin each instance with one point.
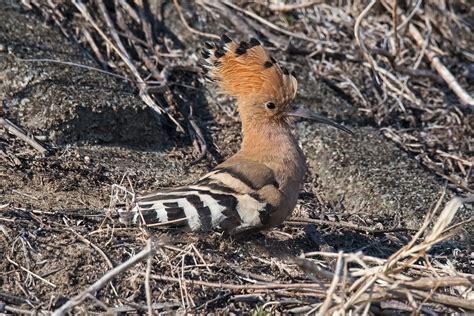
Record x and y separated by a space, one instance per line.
270 105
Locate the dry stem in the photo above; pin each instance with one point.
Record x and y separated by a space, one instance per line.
15 130
112 273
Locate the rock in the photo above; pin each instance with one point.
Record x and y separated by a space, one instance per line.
371 173
68 104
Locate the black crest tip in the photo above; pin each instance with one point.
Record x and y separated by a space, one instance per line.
267 64
285 71
254 42
205 54
219 53
226 39
240 51
209 45
244 45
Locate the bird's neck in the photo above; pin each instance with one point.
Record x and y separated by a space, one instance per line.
266 139
274 145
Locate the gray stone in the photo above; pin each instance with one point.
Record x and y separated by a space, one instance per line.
66 103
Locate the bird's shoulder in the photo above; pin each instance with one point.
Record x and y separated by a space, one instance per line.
242 175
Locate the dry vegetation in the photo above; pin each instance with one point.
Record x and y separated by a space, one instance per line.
406 65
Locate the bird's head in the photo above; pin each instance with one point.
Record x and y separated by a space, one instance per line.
263 90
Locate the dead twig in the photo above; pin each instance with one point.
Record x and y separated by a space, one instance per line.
23 311
200 140
364 229
431 283
89 243
282 8
100 251
446 299
106 278
444 72
147 281
271 25
395 26
122 53
237 20
361 43
67 63
264 286
30 272
149 64
332 288
18 132
390 277
186 24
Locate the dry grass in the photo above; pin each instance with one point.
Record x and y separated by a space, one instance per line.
212 274
408 275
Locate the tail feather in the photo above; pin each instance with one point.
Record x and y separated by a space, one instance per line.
196 209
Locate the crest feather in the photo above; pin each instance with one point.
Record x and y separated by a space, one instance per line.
245 70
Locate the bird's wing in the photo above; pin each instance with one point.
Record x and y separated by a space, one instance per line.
233 197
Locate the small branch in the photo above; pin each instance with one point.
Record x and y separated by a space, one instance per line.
449 300
90 40
200 139
146 25
333 286
18 132
431 283
147 282
32 273
89 243
21 311
238 21
408 19
365 229
309 266
357 35
139 50
413 72
282 8
192 30
122 53
395 26
104 280
265 286
67 63
436 63
448 77
102 253
271 25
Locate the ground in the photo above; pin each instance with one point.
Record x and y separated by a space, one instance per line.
59 235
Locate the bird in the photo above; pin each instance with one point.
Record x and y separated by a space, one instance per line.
257 188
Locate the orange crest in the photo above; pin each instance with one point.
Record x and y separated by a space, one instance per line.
246 71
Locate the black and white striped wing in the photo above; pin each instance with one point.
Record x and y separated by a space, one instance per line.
221 199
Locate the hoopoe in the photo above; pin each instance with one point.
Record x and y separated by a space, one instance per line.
258 187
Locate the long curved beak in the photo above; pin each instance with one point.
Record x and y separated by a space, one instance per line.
307 114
